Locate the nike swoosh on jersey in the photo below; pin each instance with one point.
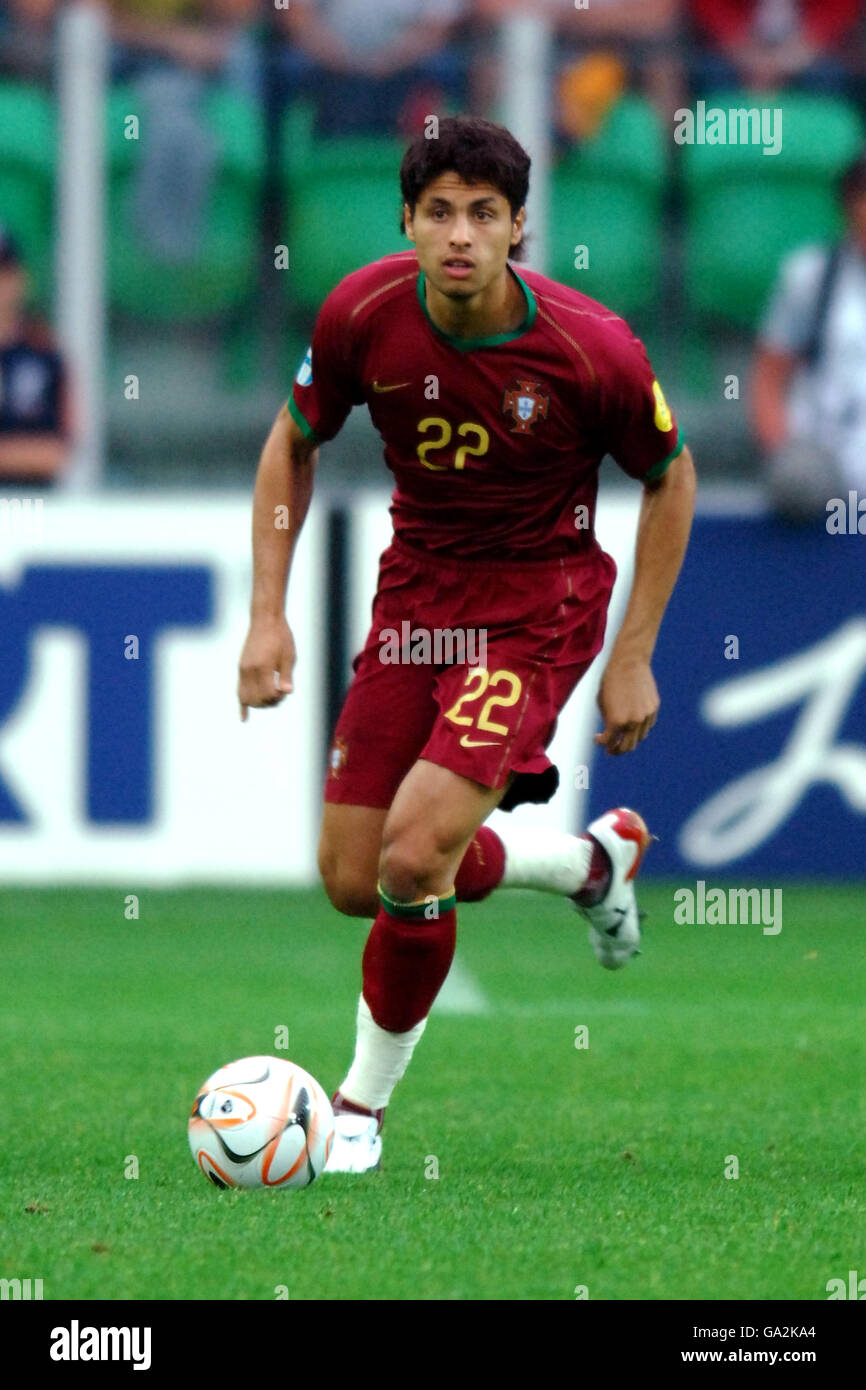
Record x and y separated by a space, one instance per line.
397 387
467 742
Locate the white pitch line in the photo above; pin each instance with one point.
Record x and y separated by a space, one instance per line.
461 993
582 1010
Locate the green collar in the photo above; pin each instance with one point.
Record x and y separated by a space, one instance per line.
471 344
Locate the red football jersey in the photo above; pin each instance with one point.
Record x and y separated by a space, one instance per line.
495 443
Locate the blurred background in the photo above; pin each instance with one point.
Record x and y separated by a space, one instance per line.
229 129
181 184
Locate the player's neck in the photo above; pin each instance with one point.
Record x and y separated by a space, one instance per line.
500 308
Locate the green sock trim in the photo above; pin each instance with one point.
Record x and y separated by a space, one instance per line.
417 910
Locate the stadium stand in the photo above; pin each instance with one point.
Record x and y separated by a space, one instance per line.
745 209
342 204
27 165
607 196
221 274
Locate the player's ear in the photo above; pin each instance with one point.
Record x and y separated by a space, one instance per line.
408 222
517 226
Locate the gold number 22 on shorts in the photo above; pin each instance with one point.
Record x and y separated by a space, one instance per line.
478 682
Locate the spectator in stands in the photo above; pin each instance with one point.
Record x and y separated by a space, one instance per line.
809 385
34 417
601 49
770 44
206 36
27 38
376 66
169 50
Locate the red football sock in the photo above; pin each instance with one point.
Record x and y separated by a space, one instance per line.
404 966
481 867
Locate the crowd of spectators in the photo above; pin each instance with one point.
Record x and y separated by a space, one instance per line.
381 65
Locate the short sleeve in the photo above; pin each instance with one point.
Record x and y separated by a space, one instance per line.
787 324
326 387
639 429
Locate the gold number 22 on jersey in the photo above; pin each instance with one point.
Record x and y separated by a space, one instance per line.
442 438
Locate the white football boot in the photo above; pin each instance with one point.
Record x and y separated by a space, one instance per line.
357 1145
614 923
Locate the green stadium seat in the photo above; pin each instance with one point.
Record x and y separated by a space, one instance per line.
27 164
342 205
607 196
746 210
223 274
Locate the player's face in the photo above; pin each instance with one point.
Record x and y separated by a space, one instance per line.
463 234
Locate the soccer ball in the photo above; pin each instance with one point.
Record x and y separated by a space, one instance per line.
261 1122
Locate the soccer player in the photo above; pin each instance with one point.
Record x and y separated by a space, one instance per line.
497 396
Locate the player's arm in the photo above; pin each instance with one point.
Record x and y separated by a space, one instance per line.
37 455
772 374
628 697
783 340
284 486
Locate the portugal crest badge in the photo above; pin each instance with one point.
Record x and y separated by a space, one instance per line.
527 404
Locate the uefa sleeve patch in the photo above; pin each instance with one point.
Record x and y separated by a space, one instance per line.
305 371
663 420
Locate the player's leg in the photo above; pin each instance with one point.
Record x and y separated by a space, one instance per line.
532 673
435 816
386 721
595 870
350 843
551 861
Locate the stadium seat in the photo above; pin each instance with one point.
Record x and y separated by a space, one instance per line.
223 274
607 196
746 210
342 205
27 163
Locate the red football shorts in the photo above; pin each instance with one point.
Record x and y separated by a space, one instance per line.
467 664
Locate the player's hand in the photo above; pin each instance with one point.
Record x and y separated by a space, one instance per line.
629 703
266 665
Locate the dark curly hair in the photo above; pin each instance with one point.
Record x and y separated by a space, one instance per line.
479 152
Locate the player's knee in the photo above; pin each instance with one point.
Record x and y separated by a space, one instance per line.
348 891
409 863
352 899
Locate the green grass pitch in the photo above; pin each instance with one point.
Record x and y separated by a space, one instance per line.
558 1166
